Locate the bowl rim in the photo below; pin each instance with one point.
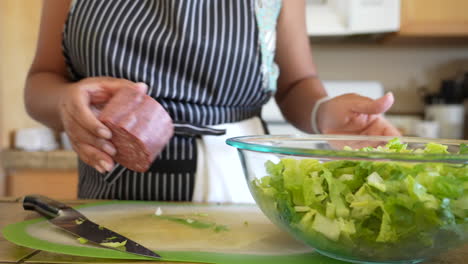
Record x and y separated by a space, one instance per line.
253 143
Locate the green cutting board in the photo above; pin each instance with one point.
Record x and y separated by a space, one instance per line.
250 237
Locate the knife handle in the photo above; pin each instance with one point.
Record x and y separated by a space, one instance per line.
43 205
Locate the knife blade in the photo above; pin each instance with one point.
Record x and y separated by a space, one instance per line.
79 225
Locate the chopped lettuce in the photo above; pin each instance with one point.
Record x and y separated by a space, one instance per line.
434 148
158 211
194 223
188 221
377 204
463 149
376 181
201 214
220 228
396 145
114 244
79 221
82 240
336 190
328 227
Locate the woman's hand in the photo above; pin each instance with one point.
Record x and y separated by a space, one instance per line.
79 108
355 114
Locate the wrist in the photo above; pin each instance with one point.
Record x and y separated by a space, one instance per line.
315 114
64 95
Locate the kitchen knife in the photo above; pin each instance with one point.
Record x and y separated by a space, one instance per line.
74 222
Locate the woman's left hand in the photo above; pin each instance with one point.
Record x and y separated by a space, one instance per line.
357 115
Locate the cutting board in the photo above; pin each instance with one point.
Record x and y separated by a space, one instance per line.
246 236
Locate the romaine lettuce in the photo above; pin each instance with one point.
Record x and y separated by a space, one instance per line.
364 202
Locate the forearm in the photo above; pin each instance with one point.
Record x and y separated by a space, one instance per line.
297 102
42 97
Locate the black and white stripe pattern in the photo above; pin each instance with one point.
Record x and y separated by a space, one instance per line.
171 177
137 186
200 59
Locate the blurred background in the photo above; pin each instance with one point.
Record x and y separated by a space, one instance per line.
417 49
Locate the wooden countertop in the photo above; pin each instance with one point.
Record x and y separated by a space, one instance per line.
11 253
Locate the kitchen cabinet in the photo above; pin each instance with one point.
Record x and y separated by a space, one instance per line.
55 183
434 18
50 173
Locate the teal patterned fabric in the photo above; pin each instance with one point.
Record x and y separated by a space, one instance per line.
267 13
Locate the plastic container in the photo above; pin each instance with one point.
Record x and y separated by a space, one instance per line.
35 139
450 119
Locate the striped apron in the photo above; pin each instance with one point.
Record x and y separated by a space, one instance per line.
201 60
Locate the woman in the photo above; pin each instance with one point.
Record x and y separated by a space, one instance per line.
208 62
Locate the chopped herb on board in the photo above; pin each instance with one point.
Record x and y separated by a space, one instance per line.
194 223
79 221
118 245
187 221
201 214
220 228
82 240
158 211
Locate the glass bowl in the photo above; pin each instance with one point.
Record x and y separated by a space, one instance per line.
362 199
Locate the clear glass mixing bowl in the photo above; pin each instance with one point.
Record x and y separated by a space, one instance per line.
361 206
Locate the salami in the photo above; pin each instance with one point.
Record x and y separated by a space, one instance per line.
140 127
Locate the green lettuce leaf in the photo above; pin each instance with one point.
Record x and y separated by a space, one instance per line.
434 148
463 149
377 203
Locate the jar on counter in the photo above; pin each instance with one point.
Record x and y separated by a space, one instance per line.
447 109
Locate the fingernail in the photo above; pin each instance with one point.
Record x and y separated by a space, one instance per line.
107 166
109 149
99 168
142 85
105 133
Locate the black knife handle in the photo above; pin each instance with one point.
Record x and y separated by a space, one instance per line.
43 205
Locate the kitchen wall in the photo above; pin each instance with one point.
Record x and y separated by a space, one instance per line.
18 32
401 68
19 22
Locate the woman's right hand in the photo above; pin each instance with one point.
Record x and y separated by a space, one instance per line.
79 108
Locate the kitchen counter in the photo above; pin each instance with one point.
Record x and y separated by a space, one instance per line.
58 159
50 173
11 253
